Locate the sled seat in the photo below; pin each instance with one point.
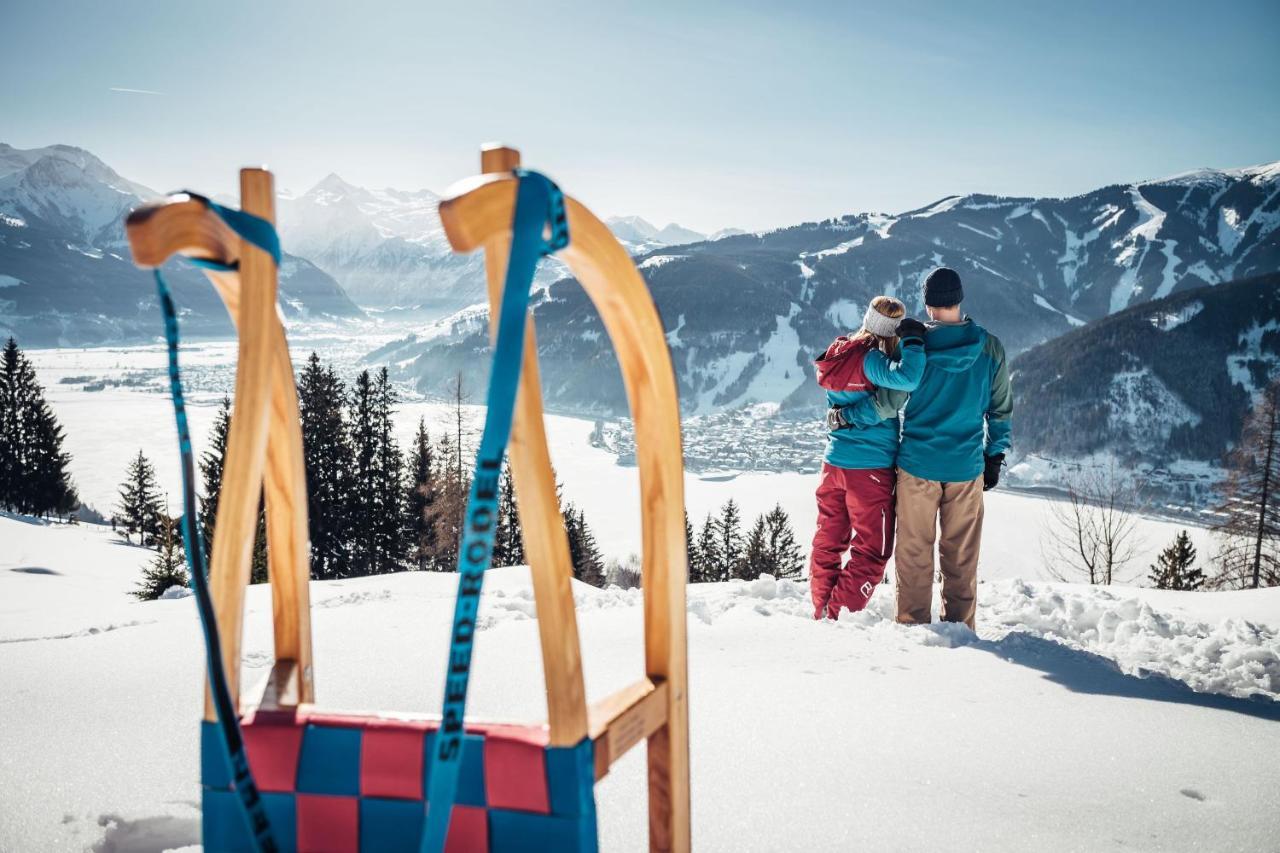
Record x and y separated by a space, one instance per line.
334 781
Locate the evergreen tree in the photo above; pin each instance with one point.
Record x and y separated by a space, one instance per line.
33 465
139 508
1249 536
420 499
49 488
212 463
362 417
732 553
690 546
449 505
391 535
755 560
783 554
327 454
1175 569
508 543
588 565
705 568
168 567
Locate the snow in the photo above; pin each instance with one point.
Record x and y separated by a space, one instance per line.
938 207
846 314
838 249
1250 343
1076 718
1150 220
1044 303
9 281
1143 406
1166 320
806 272
995 236
659 260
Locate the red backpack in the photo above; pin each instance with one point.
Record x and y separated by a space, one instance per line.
840 367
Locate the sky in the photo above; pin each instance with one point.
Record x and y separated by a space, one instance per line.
711 114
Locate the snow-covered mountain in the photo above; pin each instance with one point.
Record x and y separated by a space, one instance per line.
65 272
386 247
745 314
640 236
1159 382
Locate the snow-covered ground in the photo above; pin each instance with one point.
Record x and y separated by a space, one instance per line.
1077 718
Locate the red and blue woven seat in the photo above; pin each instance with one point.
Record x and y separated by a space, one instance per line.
337 782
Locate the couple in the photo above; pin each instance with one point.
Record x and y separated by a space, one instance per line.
950 381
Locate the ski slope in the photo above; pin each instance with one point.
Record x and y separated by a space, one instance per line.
1066 723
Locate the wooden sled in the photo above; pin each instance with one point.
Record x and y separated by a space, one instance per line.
356 781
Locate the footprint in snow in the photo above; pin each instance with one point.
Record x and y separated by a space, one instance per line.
1193 794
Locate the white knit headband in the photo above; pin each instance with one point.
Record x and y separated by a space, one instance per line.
878 324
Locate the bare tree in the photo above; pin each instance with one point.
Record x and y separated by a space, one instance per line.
1092 534
1249 535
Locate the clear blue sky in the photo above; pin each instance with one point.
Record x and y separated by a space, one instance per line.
706 113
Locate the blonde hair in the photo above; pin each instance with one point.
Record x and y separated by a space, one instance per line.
885 306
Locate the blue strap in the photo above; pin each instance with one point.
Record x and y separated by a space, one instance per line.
261 233
539 205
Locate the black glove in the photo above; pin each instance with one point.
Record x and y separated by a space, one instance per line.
836 419
991 474
910 327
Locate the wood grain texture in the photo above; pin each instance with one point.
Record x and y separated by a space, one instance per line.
546 544
620 721
180 225
475 213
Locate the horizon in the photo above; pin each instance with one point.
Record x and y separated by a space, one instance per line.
660 223
711 117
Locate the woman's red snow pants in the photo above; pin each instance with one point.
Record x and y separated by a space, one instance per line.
855 513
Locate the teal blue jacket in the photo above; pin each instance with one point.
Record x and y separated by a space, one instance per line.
875 443
960 412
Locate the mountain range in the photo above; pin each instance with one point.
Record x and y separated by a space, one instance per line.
388 248
65 273
1166 379
745 314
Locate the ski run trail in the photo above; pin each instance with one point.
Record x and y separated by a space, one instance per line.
1077 718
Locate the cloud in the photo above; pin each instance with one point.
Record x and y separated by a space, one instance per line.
134 91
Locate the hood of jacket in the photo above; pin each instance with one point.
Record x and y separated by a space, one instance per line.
954 347
840 367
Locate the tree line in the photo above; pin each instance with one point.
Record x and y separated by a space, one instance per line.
720 551
372 507
33 466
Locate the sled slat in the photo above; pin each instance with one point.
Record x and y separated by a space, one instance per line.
620 721
279 690
545 541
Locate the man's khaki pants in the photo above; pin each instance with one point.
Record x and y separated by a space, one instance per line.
922 506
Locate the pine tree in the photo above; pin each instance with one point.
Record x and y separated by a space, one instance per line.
33 465
690 546
139 508
362 418
420 498
212 464
49 488
168 568
449 505
588 565
327 453
1249 537
1175 569
785 558
508 543
706 567
755 560
732 552
390 531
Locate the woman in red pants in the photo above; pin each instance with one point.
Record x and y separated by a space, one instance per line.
855 497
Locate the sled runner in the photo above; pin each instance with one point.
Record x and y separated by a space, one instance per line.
301 778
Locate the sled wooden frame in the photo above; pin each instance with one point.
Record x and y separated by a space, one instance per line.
264 450
264 445
477 214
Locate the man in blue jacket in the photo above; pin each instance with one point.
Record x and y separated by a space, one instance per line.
955 433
